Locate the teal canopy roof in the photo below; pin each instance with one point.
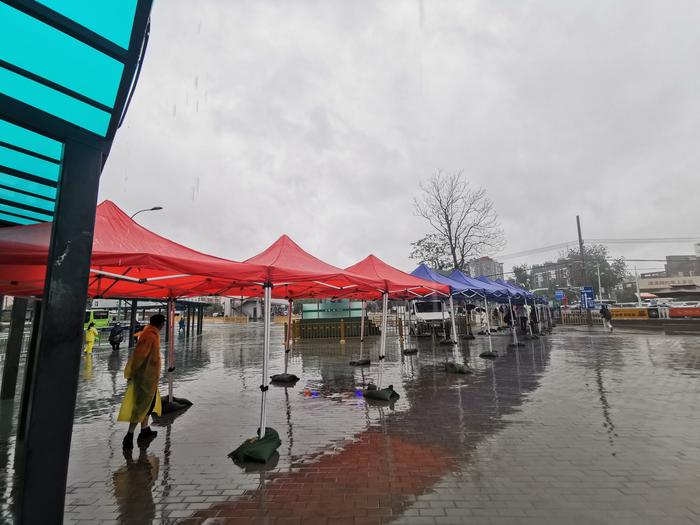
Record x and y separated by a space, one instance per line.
66 70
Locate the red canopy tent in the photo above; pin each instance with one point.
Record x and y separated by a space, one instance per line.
398 284
127 261
294 273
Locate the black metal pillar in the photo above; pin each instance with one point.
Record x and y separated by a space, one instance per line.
28 378
60 338
201 319
132 323
14 348
188 321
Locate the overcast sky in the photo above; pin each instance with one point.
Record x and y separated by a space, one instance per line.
318 119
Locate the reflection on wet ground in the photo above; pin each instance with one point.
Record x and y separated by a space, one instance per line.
573 428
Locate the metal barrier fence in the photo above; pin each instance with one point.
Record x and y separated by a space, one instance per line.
332 329
579 317
344 328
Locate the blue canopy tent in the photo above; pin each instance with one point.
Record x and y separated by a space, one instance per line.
525 296
531 296
516 289
480 288
486 290
456 287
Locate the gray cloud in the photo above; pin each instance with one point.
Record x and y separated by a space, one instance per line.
318 119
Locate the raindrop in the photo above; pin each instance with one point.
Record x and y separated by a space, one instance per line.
197 106
174 110
196 82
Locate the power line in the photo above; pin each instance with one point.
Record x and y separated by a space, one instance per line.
639 240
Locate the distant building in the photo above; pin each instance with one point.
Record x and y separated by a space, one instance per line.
679 287
485 266
251 307
682 265
550 274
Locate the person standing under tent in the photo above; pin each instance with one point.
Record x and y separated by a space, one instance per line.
533 318
522 317
181 325
143 373
90 336
607 317
116 336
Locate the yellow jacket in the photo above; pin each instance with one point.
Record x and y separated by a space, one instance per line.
143 372
90 335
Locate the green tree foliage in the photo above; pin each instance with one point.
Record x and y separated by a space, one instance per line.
431 251
521 275
612 271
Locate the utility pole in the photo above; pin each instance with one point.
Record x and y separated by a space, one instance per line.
600 288
589 318
636 282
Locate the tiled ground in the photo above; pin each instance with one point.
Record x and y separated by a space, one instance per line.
577 427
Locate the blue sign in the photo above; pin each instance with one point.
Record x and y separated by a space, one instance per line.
559 295
587 297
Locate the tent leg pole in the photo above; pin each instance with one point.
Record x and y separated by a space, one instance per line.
442 311
407 316
171 347
266 355
132 323
362 323
290 339
382 344
512 322
452 320
537 316
362 326
488 324
13 349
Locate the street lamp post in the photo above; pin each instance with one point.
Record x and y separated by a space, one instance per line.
155 208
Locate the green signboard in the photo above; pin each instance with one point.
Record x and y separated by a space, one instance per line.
342 309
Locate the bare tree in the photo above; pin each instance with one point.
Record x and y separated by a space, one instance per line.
463 219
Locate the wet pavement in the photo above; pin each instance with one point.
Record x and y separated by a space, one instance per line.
576 427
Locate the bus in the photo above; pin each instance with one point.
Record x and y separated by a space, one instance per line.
99 317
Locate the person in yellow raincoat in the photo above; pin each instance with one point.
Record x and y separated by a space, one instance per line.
143 373
90 336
